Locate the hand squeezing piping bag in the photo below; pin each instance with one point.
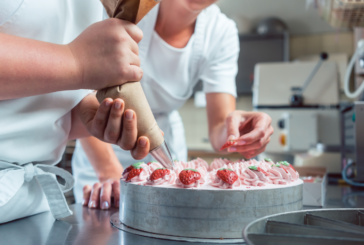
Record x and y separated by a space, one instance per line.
132 92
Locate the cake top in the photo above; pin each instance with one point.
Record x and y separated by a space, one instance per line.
221 174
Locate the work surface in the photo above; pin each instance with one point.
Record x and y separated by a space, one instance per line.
93 227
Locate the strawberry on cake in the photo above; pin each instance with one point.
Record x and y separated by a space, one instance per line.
222 174
137 172
224 178
189 178
161 176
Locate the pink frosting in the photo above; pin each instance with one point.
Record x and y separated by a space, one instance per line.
267 173
141 177
219 183
153 166
167 179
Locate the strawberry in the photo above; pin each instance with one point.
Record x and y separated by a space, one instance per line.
128 169
159 173
133 170
189 176
227 175
228 144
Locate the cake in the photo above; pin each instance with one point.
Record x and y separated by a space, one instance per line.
207 201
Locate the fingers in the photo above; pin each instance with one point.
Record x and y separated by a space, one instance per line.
232 125
86 195
142 148
134 60
130 131
113 128
131 73
105 195
262 142
116 193
100 120
95 196
133 30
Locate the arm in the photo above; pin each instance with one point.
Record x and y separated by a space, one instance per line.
104 55
252 130
218 107
102 158
30 67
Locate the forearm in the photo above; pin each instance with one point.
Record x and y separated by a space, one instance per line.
30 67
219 106
102 158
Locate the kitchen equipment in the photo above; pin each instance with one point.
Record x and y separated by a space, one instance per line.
297 129
211 214
314 227
257 48
352 145
132 92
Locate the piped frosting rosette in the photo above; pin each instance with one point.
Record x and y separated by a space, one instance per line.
137 172
162 176
153 166
289 168
191 178
224 178
220 163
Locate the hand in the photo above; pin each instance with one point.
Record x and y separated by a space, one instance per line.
106 54
108 122
99 196
252 131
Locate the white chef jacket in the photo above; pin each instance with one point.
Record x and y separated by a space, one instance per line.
34 130
169 77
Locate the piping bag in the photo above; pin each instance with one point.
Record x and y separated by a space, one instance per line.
132 92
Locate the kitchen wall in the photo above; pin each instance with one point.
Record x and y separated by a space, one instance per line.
310 35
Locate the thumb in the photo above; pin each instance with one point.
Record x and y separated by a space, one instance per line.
232 124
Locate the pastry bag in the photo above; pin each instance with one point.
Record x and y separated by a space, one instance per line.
132 92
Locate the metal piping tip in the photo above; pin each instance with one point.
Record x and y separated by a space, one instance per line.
162 155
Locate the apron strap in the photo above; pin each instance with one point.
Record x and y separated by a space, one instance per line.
46 176
54 193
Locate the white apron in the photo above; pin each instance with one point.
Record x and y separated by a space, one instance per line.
219 76
34 130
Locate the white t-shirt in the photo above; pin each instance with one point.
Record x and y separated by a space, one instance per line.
171 64
169 77
35 129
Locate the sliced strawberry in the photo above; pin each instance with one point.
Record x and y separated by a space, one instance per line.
128 169
228 144
134 172
189 176
159 173
227 175
292 167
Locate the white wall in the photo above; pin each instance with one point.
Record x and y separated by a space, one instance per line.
300 20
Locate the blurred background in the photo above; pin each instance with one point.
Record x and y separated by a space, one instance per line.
293 59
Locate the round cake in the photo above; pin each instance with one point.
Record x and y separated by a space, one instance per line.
199 200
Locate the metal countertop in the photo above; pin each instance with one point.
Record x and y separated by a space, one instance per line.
93 227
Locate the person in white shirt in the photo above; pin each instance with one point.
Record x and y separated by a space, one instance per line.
184 41
50 53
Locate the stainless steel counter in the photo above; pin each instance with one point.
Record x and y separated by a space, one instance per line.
93 227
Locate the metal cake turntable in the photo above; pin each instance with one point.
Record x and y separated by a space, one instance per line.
314 227
199 214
